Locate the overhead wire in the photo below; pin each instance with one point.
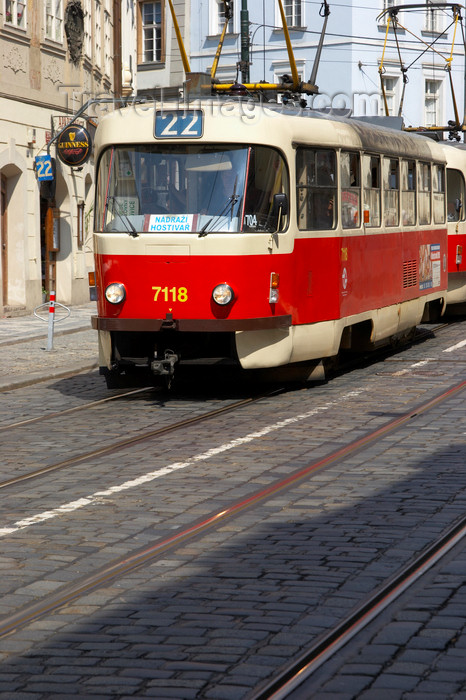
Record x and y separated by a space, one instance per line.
439 44
316 32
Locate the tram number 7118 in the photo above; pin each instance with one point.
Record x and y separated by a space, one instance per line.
172 294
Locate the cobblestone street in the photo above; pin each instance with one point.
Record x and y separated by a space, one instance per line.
216 614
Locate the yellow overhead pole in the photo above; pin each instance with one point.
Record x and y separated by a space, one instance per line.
294 70
220 43
381 69
293 85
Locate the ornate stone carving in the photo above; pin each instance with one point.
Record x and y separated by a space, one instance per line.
74 30
52 71
14 60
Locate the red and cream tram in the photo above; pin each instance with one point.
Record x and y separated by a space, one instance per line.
456 224
261 235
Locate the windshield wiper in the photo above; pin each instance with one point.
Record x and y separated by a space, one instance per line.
231 201
126 221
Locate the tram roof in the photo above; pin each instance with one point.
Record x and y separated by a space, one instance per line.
267 123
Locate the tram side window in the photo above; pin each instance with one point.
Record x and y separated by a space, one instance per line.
371 184
316 188
423 187
455 195
391 191
438 193
408 192
350 190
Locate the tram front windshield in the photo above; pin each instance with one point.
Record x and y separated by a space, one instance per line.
196 188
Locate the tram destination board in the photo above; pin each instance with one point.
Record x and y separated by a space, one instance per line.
181 124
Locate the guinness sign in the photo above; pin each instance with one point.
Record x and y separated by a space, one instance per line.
74 145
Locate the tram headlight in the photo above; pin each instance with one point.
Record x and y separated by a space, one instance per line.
115 293
223 294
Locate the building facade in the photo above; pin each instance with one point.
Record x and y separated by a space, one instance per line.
348 76
55 55
152 56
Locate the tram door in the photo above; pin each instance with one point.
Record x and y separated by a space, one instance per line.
47 246
4 242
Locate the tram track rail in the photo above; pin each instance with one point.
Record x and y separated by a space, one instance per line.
382 353
346 365
165 546
130 441
301 669
74 409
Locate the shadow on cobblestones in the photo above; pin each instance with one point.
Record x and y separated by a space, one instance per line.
195 386
225 611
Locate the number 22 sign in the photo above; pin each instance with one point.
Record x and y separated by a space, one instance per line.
44 168
178 124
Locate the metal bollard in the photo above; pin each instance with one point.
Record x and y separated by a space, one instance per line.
51 320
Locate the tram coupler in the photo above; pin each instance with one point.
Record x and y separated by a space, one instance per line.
168 323
165 367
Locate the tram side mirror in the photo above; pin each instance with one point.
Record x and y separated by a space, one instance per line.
279 209
280 201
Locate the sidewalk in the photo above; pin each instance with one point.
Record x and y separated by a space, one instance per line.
23 346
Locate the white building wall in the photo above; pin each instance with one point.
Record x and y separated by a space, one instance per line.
348 75
168 73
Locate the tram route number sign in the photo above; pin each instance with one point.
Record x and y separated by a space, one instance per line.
178 124
44 168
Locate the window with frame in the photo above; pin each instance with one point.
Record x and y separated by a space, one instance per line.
15 13
438 193
293 12
432 102
87 28
217 17
456 195
432 20
107 39
391 190
54 20
390 86
316 188
371 185
150 36
350 190
98 33
423 193
408 192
